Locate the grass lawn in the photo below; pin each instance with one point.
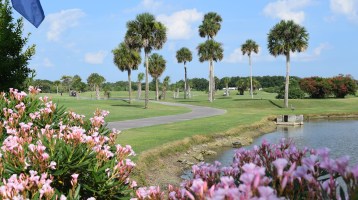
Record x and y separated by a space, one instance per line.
241 110
119 109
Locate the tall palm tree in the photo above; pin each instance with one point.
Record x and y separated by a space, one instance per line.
127 59
226 82
184 55
147 33
166 82
284 38
210 51
96 81
247 48
156 69
208 29
139 84
57 84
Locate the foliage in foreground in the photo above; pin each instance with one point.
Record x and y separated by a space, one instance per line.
47 153
270 171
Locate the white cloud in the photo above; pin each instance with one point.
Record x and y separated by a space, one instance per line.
315 54
180 24
148 5
95 58
349 8
235 57
47 63
61 21
287 10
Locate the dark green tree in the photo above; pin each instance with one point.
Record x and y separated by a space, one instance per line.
14 57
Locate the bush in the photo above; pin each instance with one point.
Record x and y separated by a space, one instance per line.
47 153
278 171
343 85
271 89
294 91
316 87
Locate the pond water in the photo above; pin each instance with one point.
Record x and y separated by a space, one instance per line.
340 136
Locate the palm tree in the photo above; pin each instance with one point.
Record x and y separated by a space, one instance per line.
96 81
210 51
127 59
242 85
226 82
57 83
210 25
139 84
156 69
147 33
284 38
184 55
166 82
208 29
247 48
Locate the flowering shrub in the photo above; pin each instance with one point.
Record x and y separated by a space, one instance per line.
47 153
270 171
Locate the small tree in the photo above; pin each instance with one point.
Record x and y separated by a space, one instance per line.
226 82
247 48
139 83
242 85
67 80
96 81
156 69
57 84
165 86
127 59
14 58
184 55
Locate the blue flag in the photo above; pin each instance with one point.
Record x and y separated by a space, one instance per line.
31 10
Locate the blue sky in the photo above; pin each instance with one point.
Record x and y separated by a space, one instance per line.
77 37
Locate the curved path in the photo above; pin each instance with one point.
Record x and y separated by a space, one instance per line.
196 112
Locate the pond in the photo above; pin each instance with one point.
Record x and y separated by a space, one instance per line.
340 136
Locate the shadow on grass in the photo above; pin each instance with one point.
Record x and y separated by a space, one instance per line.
249 99
275 104
128 105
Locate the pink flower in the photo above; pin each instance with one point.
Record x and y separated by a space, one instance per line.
52 165
280 164
74 179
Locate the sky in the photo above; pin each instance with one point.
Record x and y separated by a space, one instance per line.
77 37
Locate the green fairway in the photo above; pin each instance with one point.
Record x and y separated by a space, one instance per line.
119 109
241 110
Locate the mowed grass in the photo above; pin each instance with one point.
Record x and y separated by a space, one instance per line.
119 108
241 110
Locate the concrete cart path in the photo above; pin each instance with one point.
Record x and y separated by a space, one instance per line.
196 112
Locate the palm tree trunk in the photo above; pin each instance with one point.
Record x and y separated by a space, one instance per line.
57 89
97 92
177 93
185 82
156 89
251 88
213 82
146 82
210 82
139 90
227 89
287 78
129 85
